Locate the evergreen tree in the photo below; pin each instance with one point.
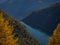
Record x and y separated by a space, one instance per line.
6 37
55 38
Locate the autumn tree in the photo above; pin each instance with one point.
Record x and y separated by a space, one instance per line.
6 37
55 38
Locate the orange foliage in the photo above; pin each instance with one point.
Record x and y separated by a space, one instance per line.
55 39
6 37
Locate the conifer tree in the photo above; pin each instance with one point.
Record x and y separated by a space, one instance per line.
55 38
6 37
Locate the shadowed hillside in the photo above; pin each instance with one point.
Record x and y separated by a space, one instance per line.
19 31
55 38
45 19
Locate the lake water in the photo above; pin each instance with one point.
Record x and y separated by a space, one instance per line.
39 36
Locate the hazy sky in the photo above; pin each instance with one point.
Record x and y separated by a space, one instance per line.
22 8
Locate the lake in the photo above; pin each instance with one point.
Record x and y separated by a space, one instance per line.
38 35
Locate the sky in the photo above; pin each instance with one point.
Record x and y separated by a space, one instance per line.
19 9
2 1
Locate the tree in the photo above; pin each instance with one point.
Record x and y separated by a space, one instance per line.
55 39
6 37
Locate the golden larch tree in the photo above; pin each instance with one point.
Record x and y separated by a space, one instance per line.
55 38
6 37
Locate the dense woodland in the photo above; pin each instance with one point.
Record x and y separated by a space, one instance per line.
12 32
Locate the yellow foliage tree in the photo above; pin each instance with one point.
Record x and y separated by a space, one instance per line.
55 39
6 37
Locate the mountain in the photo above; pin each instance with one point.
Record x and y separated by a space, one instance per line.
45 19
19 30
22 8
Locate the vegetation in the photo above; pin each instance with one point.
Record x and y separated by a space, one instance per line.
55 39
12 32
6 37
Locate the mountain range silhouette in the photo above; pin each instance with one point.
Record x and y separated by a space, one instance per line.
45 19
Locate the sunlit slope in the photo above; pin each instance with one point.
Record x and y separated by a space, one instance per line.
55 38
17 31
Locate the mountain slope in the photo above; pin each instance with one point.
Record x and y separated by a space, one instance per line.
21 8
45 19
40 36
20 31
